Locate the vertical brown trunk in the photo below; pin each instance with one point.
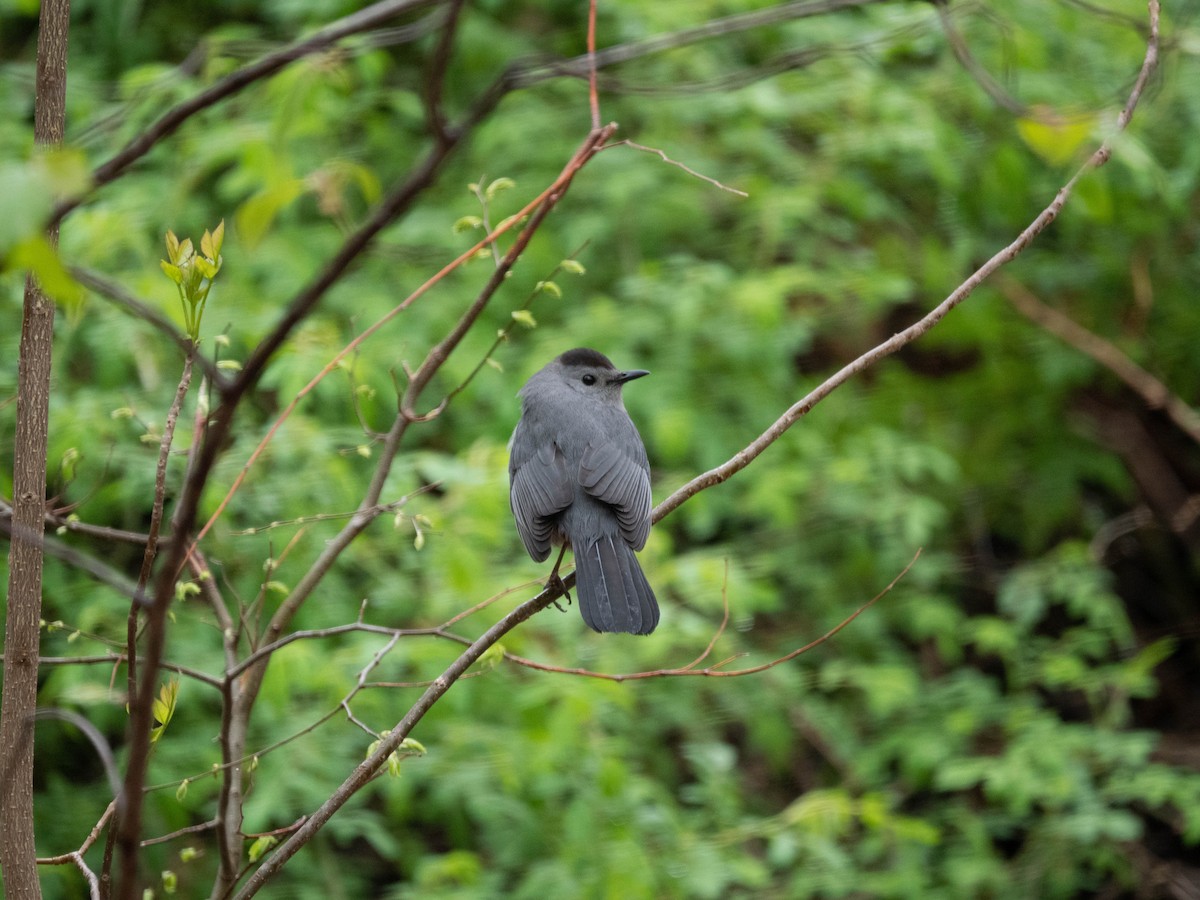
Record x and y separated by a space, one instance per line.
21 631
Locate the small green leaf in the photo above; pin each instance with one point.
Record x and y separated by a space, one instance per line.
204 267
525 317
1054 137
573 266
495 365
505 222
218 241
163 708
492 657
412 745
497 186
466 223
169 881
549 287
37 255
229 365
172 246
181 792
254 217
260 846
185 589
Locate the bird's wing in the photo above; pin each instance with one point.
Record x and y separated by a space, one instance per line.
612 477
540 488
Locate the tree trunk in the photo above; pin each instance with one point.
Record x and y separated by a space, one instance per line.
21 631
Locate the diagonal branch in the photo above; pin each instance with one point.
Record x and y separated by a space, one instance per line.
231 84
1153 392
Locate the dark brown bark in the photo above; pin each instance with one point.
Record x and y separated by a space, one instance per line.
21 632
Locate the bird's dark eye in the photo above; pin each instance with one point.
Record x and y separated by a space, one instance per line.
589 379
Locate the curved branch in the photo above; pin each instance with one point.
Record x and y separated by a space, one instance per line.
717 670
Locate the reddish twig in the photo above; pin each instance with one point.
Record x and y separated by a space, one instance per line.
716 670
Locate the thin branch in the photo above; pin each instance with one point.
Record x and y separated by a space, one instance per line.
663 156
503 333
381 508
114 659
366 770
198 828
435 78
546 202
100 571
593 93
717 670
720 628
584 65
268 650
156 512
172 119
1102 154
1153 392
981 75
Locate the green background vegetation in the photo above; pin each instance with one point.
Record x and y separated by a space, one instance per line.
1013 720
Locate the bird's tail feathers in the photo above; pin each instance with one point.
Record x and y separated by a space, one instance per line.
613 592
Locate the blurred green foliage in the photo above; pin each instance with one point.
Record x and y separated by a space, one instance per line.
1005 723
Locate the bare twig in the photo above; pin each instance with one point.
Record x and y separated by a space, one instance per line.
717 670
114 659
97 569
156 511
663 156
593 93
436 77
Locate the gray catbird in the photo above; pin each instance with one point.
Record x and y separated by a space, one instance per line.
579 476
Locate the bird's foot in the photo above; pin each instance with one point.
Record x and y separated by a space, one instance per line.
555 581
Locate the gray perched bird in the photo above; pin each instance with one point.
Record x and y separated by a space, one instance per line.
578 475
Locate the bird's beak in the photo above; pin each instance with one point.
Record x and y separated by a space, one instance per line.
623 377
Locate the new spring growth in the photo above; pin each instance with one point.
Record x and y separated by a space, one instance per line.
194 273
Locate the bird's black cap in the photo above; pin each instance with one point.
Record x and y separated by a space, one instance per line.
585 357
